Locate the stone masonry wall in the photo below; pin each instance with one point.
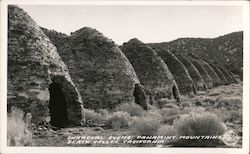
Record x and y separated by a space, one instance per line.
179 71
220 74
152 72
194 73
215 78
206 77
99 69
33 62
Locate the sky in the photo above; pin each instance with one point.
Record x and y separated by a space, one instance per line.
147 23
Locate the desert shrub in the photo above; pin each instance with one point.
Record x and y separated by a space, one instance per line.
230 101
161 102
228 92
169 111
153 114
214 93
131 108
166 130
188 110
169 114
170 105
104 112
17 128
228 115
133 120
200 93
152 107
199 125
186 104
91 115
222 114
208 99
118 120
145 126
235 115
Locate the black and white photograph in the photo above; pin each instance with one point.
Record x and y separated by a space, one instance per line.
143 76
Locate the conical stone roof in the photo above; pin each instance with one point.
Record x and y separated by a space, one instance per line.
99 69
215 78
33 66
194 73
179 71
226 74
219 73
233 77
206 77
152 72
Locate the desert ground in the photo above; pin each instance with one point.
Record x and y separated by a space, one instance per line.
215 111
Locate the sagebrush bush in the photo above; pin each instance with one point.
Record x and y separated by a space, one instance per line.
188 110
91 115
170 105
18 133
152 107
185 104
228 115
230 101
169 114
222 114
166 130
161 102
145 126
119 120
208 99
131 108
104 112
214 93
169 111
235 115
153 114
199 124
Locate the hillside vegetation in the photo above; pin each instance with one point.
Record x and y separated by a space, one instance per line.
225 50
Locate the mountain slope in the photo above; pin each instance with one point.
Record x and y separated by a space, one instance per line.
225 50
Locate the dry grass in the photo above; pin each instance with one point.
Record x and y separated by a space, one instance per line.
131 108
104 112
214 93
91 115
170 105
228 115
119 120
153 115
17 128
169 115
230 101
199 124
145 126
166 130
188 110
203 114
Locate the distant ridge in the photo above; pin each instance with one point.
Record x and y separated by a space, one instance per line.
224 50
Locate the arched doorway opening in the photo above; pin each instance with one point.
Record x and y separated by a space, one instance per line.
57 106
194 89
204 87
140 96
175 92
